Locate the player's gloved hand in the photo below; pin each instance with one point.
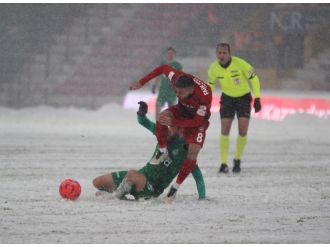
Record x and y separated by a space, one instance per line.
153 89
143 109
257 105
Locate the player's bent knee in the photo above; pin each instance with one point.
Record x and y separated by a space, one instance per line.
104 182
193 151
136 178
131 175
97 182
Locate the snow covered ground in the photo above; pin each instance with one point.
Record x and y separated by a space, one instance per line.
281 196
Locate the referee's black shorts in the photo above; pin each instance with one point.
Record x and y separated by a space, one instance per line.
241 106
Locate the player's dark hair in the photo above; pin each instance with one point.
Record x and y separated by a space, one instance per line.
184 81
224 45
171 49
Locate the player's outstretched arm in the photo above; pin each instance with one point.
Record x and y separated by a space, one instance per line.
163 69
198 176
143 119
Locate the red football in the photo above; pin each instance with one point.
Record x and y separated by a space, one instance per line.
70 189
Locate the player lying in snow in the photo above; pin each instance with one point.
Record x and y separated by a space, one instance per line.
191 115
151 180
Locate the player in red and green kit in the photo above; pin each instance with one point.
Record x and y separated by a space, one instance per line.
151 180
166 94
190 115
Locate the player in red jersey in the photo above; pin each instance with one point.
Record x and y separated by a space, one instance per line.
191 115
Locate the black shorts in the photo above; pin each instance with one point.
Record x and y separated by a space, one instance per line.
241 106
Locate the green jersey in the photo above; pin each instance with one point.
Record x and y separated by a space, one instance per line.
165 84
160 176
234 79
166 93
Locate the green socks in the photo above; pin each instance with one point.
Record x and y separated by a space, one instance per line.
196 172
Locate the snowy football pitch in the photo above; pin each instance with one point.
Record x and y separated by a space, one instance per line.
281 196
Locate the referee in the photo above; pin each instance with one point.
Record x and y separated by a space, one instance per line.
233 75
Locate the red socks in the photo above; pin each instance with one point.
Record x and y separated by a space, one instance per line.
186 168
